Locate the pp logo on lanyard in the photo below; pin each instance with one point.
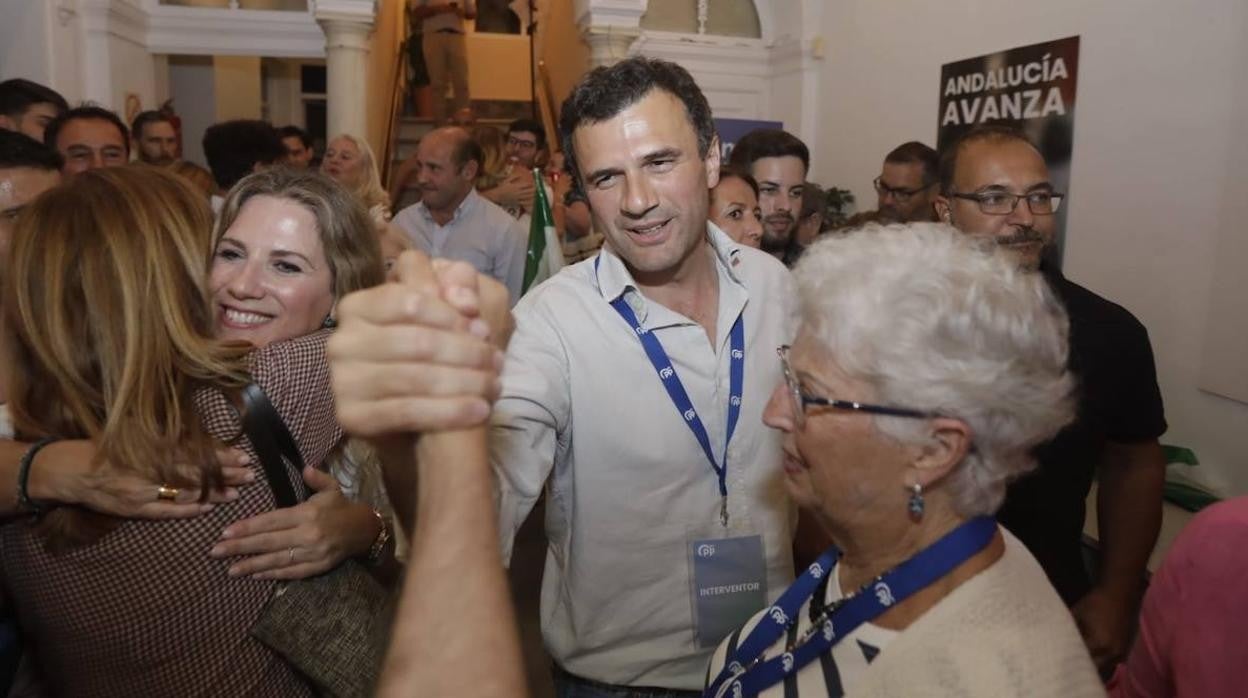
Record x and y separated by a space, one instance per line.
748 671
728 576
676 390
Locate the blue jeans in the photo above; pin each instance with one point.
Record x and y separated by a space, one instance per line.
572 686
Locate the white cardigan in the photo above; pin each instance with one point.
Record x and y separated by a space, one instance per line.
1004 632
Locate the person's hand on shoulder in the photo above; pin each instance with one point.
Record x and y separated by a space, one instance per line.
69 472
514 192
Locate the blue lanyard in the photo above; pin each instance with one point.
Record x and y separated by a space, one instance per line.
746 674
676 390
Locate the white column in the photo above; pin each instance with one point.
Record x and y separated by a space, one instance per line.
95 54
608 45
347 25
609 27
797 62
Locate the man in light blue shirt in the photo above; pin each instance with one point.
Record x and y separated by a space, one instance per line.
453 221
586 416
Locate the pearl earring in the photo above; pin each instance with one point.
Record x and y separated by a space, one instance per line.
916 504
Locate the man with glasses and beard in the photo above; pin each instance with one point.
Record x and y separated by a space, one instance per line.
994 183
779 161
907 184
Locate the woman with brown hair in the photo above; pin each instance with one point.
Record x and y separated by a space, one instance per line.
734 206
288 244
110 324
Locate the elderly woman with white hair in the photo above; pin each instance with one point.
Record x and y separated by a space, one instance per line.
350 162
925 370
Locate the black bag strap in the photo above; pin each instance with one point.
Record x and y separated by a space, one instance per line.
273 443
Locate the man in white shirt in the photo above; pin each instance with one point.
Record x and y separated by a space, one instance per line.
446 57
455 222
625 378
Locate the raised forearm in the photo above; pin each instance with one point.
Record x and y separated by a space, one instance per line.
1132 479
492 194
51 479
456 607
398 467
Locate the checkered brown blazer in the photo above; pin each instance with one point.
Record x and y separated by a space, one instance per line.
144 611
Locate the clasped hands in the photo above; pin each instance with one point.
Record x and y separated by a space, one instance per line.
422 354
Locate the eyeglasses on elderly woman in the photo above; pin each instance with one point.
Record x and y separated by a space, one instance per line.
801 400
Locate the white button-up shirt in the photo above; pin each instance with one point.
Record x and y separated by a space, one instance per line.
629 485
479 232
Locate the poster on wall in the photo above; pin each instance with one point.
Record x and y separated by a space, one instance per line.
1031 88
731 130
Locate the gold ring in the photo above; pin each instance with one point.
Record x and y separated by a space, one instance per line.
167 493
291 558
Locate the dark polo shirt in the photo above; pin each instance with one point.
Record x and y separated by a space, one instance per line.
1118 400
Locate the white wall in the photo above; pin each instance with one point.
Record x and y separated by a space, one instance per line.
1155 177
209 89
796 66
732 72
132 71
23 41
37 45
92 53
1226 343
193 90
774 77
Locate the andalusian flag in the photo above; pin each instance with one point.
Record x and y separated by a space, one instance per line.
545 255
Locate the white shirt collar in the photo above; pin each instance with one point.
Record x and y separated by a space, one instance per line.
464 206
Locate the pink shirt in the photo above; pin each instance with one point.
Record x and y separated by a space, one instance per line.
1191 640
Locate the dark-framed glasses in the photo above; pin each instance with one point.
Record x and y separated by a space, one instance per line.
801 400
1003 203
901 194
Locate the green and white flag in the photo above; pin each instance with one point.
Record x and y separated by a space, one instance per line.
545 255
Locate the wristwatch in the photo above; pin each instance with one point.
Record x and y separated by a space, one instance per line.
376 552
